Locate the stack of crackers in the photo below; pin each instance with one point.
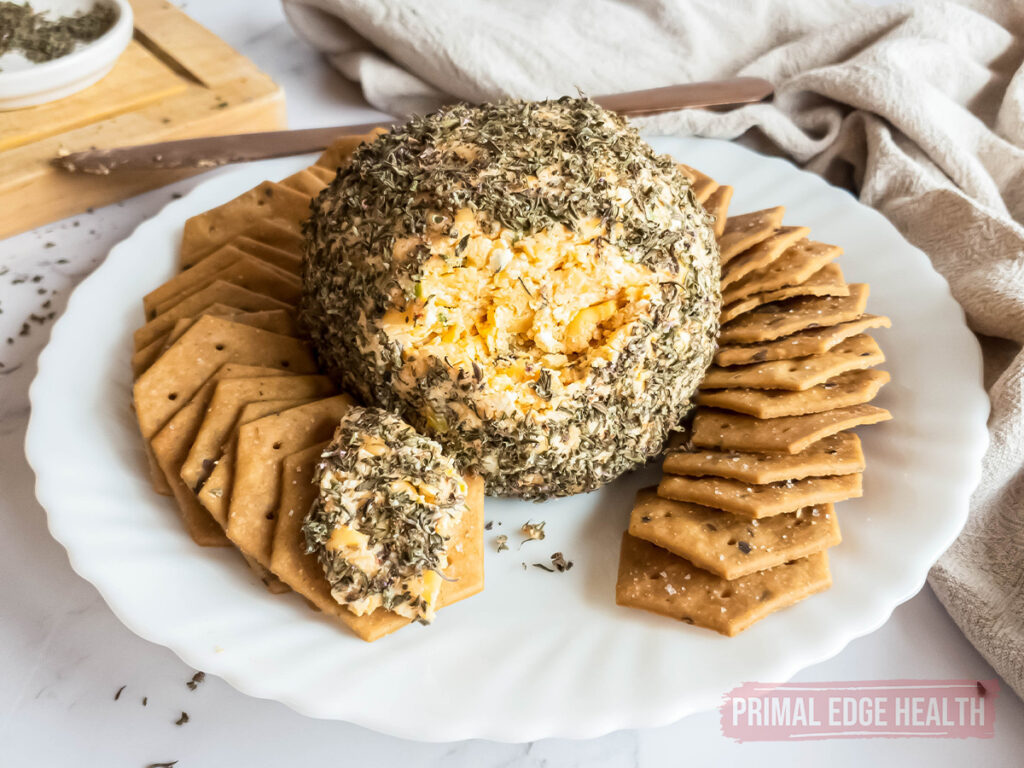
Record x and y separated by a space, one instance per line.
741 522
233 408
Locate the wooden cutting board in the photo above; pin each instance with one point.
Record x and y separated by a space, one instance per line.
176 80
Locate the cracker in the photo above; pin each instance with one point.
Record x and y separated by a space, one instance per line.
201 274
144 357
220 292
262 445
208 344
276 235
789 434
224 409
731 546
269 201
796 265
772 321
718 206
170 445
273 320
690 174
282 259
838 454
756 501
655 580
279 321
814 341
799 373
231 265
762 254
302 572
703 185
304 182
703 188
225 469
851 388
747 230
325 175
827 281
215 494
247 272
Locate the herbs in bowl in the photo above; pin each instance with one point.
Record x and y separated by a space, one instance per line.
40 37
50 49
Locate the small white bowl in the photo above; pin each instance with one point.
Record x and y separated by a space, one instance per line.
24 83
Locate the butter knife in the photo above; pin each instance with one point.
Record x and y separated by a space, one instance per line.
213 151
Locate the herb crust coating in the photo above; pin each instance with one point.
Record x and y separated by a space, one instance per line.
387 505
528 283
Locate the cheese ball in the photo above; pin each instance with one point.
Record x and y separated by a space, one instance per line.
528 283
388 503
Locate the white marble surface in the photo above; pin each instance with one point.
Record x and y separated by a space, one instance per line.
63 654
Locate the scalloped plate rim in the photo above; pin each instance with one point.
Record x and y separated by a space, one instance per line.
875 613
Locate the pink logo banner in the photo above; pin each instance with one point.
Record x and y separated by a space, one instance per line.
945 709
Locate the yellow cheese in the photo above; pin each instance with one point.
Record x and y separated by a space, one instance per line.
581 330
431 588
345 537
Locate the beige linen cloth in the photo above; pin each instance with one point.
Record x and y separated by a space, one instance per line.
919 107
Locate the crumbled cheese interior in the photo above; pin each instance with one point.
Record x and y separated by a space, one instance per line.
553 304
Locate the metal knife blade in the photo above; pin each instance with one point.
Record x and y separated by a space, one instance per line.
213 151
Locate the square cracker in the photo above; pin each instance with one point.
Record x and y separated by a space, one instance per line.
302 571
305 182
728 545
814 341
251 412
273 320
170 445
655 580
756 501
269 201
221 417
761 255
851 388
838 454
325 175
149 354
796 265
224 472
219 292
772 321
282 259
747 230
285 238
210 343
798 373
262 446
702 184
246 272
790 434
215 494
718 206
703 188
227 263
827 281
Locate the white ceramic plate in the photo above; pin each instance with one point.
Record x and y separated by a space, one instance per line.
537 654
